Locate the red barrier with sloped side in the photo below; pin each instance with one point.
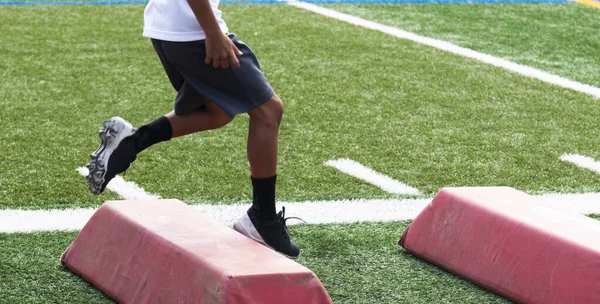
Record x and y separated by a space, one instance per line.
504 240
165 251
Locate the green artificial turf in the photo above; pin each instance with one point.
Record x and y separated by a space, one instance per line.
419 115
558 38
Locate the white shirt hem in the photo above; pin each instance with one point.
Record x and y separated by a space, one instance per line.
175 36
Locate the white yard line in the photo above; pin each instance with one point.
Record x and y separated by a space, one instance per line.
453 48
369 175
582 161
125 189
319 212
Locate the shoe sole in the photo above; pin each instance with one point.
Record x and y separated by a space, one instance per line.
244 226
113 132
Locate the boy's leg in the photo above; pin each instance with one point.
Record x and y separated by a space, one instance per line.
211 117
260 222
262 150
120 142
263 135
172 125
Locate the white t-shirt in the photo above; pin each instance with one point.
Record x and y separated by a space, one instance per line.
174 20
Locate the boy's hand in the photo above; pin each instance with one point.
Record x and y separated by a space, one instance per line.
220 50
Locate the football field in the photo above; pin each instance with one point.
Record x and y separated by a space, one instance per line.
481 95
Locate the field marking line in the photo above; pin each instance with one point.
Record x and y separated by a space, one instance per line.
590 3
371 176
582 161
317 212
125 189
453 48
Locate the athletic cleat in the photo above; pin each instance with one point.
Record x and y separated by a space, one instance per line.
272 234
115 154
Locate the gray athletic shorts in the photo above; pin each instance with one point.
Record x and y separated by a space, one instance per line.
233 90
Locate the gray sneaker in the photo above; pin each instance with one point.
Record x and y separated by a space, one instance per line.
115 154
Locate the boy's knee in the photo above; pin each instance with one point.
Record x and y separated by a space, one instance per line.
271 112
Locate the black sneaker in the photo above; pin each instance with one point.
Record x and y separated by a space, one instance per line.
115 154
272 234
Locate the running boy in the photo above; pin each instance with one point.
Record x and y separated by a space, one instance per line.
216 77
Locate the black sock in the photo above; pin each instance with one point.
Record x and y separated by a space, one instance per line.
152 133
263 197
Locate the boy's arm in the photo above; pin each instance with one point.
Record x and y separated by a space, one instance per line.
219 48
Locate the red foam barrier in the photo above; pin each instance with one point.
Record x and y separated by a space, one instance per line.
507 242
165 251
